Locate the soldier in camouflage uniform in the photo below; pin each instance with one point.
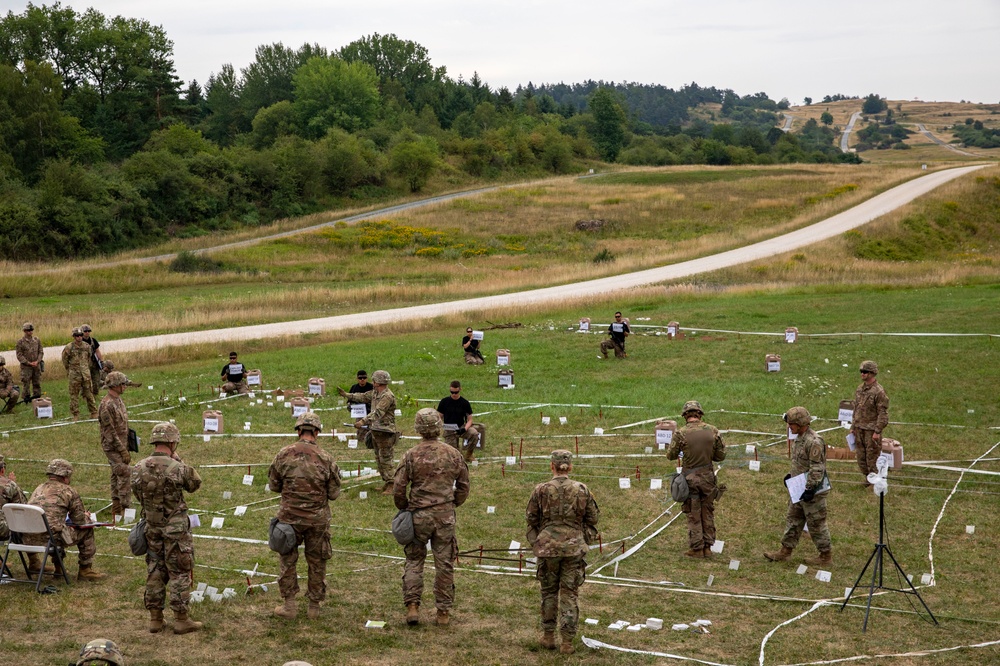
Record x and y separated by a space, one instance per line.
10 493
113 419
562 520
438 479
808 457
871 416
30 354
8 390
96 359
59 500
100 651
76 360
159 483
308 479
698 445
381 422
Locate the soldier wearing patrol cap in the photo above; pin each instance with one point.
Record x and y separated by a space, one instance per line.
100 651
159 483
698 445
8 390
380 422
60 501
31 355
871 416
112 416
562 521
809 458
76 360
438 481
308 479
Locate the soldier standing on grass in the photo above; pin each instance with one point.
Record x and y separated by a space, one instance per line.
30 355
8 390
562 520
113 419
159 483
76 360
619 330
380 422
438 480
308 479
701 445
871 416
808 457
96 359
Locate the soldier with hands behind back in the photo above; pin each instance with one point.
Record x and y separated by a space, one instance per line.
159 483
31 355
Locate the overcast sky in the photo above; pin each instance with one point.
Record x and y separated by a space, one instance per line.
930 50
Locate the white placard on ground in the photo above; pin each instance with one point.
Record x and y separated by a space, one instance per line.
562 420
734 565
363 494
248 479
226 494
352 443
926 579
625 482
398 412
240 510
217 522
823 576
515 547
206 438
511 460
970 529
209 591
802 569
851 441
129 515
491 509
718 546
194 520
546 420
655 484
754 465
598 431
847 592
751 449
591 620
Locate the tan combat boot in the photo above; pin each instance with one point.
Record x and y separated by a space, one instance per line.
443 619
706 552
288 609
313 611
779 555
548 641
90 574
698 554
388 488
567 645
155 621
184 625
413 614
825 559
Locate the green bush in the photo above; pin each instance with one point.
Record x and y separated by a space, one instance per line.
188 262
604 256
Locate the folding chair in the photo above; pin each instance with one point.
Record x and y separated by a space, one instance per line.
28 519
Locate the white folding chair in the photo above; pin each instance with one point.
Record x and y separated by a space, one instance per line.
28 519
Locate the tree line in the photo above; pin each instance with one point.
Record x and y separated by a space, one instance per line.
103 148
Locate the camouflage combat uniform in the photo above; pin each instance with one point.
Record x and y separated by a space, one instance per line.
702 445
8 391
159 483
10 493
29 350
809 457
113 419
439 481
76 359
558 513
381 420
308 479
60 500
871 416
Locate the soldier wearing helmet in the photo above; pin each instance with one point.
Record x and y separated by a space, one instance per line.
159 483
380 423
60 501
308 479
31 355
698 445
9 391
100 651
76 360
10 493
112 416
871 416
809 458
438 481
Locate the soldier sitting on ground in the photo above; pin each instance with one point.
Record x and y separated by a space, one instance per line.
8 389
234 376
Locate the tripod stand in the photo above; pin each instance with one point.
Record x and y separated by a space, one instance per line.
878 556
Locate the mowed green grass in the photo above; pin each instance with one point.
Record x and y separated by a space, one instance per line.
931 380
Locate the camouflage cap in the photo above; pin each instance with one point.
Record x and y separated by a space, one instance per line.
381 377
115 379
59 467
108 365
870 366
428 422
86 328
562 457
692 406
100 650
309 420
165 433
77 331
798 416
28 326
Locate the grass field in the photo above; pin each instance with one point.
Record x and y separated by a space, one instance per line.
934 382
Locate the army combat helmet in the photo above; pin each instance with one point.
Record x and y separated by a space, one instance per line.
100 651
797 416
870 366
164 433
115 378
381 377
308 421
59 467
428 423
692 406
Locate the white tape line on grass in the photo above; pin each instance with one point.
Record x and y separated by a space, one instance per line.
930 541
963 470
598 645
631 551
767 637
918 653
